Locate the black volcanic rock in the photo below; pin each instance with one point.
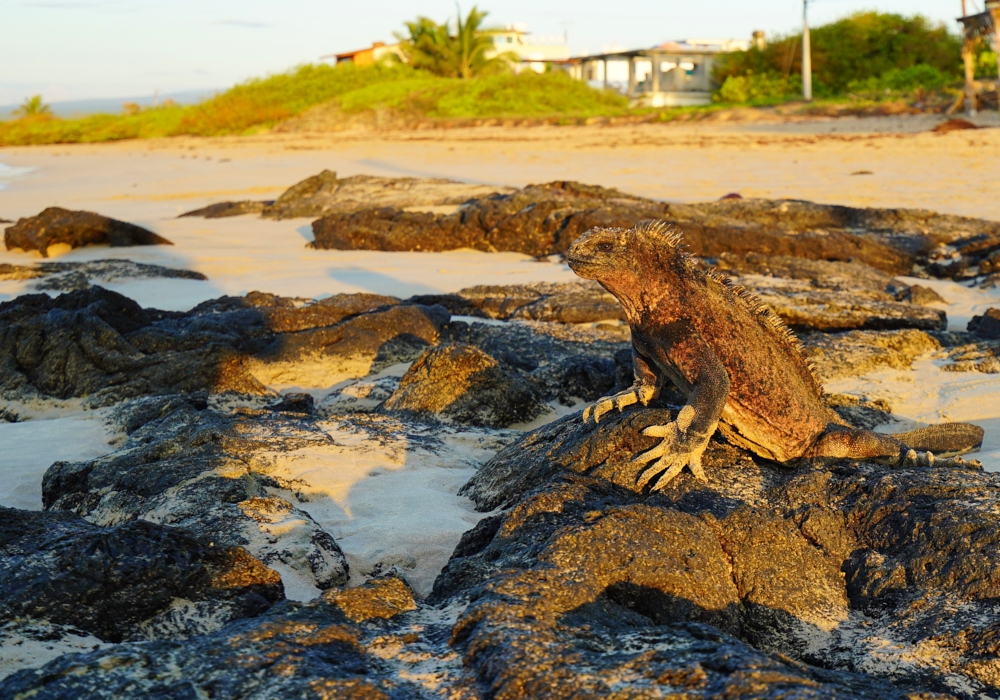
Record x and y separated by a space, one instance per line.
76 229
375 641
461 383
568 302
98 344
829 303
122 581
223 210
537 220
854 580
986 325
331 647
816 564
544 219
68 277
325 193
856 353
189 466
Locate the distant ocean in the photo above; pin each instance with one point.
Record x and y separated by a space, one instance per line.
113 105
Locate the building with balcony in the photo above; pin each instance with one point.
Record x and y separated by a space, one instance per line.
673 74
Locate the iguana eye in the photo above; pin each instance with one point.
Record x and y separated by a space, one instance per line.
605 247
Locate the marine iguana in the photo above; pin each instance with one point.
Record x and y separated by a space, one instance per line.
741 368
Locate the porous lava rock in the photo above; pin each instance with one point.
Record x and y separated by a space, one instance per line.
542 220
76 229
919 294
817 564
537 220
341 645
568 302
802 303
849 580
209 472
67 277
986 325
968 352
129 580
377 641
563 362
833 275
101 345
856 353
223 210
325 193
803 307
463 384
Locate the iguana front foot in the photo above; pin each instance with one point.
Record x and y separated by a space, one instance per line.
622 400
679 448
913 458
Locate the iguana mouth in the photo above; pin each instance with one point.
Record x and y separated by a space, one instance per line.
579 265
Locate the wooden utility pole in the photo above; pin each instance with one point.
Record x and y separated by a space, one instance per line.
807 74
969 61
993 7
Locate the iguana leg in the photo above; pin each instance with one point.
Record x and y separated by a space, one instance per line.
685 440
644 390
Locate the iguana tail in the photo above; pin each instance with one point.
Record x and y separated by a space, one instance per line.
945 439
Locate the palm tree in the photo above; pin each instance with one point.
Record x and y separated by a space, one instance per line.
32 107
465 54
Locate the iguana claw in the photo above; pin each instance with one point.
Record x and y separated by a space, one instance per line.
677 450
621 401
912 458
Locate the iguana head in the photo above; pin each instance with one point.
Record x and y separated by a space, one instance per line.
599 253
623 260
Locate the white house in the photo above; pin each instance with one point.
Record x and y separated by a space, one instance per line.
533 50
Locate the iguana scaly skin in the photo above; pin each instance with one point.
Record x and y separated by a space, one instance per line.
741 368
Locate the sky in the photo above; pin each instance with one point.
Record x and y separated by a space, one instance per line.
85 49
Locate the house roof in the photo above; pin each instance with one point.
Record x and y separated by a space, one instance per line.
352 54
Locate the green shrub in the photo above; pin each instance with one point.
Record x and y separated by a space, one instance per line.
857 48
263 102
901 81
756 88
267 101
986 64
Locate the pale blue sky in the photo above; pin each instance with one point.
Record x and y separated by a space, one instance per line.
80 49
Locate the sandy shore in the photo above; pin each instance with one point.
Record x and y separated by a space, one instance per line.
911 167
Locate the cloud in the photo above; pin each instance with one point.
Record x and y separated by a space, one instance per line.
241 23
99 5
69 5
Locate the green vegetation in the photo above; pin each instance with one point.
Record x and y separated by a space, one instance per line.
351 91
526 95
868 54
758 89
869 58
33 107
432 47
